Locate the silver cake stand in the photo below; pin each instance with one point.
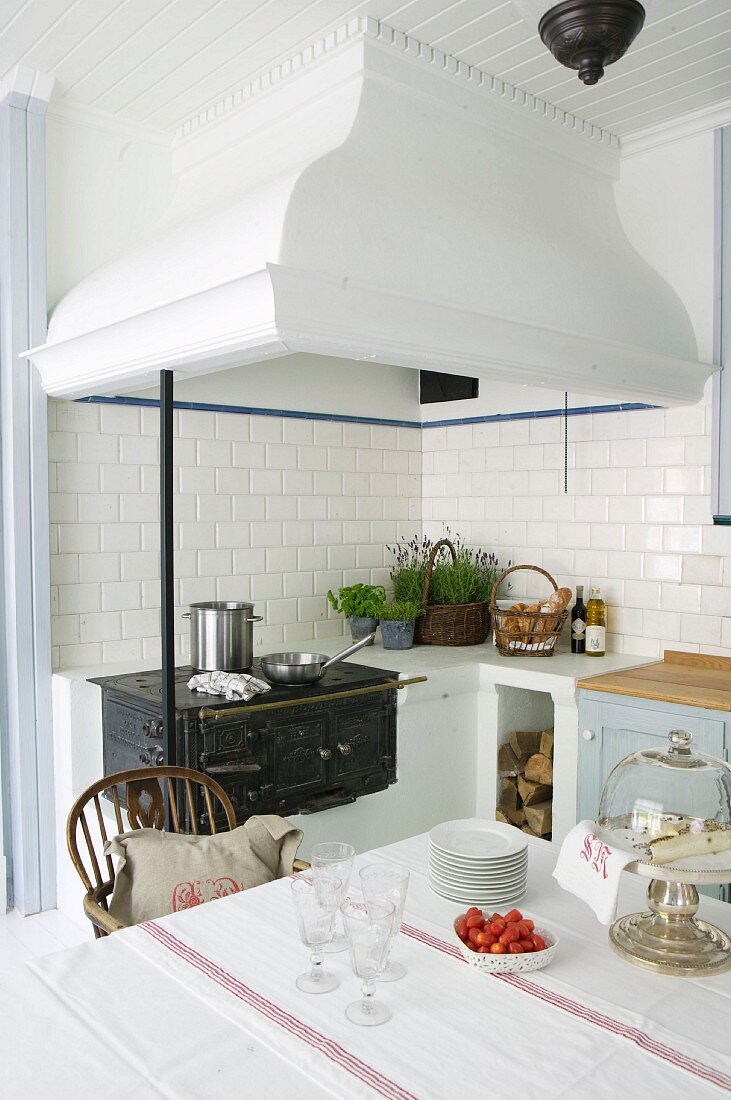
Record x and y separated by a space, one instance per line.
670 938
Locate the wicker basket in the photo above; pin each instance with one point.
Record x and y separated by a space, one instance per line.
450 624
526 634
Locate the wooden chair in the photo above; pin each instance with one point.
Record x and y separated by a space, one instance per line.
143 793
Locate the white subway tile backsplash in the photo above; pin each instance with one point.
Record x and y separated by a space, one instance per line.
644 481
328 433
611 482
704 629
624 453
681 597
308 505
94 568
643 536
79 598
662 567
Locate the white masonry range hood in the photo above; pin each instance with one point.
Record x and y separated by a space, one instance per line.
374 199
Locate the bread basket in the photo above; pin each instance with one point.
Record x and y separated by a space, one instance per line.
528 630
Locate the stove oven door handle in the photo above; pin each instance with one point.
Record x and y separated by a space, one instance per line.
233 769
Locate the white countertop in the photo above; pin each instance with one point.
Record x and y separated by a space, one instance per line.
540 673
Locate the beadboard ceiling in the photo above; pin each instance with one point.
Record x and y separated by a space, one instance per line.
157 62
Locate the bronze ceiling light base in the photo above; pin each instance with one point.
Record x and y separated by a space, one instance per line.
589 34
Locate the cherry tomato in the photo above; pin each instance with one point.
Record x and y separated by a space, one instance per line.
483 950
515 949
523 929
495 916
498 949
471 946
539 944
513 916
461 928
486 939
527 945
530 924
472 934
473 911
510 935
497 927
475 921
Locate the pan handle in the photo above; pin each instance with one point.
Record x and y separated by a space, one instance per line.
347 652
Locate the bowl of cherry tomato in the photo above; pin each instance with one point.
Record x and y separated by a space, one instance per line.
498 943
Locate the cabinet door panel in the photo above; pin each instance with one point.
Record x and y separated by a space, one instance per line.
619 730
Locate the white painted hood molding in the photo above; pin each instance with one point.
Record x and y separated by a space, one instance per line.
380 201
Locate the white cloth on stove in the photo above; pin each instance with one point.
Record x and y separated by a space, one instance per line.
234 685
591 869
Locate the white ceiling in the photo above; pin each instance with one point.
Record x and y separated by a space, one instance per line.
158 62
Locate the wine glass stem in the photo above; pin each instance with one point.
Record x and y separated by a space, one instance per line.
368 991
316 962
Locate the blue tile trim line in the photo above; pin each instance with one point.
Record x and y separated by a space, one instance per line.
540 414
290 414
342 418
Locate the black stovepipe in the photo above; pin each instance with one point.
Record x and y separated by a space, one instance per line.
167 566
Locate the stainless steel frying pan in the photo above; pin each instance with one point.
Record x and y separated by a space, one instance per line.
296 669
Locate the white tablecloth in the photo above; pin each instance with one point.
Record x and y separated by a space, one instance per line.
203 1004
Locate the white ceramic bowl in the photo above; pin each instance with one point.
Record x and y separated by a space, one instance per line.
512 964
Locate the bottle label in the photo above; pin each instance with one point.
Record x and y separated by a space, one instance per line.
595 639
578 627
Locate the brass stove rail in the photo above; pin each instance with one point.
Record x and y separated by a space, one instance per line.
247 708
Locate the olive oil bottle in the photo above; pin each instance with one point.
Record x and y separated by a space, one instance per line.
596 625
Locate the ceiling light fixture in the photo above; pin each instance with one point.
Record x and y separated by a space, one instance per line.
586 34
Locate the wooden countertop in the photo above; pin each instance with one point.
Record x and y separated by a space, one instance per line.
692 679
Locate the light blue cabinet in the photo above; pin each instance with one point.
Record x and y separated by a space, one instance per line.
613 726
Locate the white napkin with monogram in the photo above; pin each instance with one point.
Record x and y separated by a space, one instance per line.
591 869
234 685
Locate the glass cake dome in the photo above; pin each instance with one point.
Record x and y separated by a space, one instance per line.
669 803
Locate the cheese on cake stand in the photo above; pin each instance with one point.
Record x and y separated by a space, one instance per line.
672 806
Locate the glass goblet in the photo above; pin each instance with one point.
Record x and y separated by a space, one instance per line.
368 930
316 904
387 882
333 860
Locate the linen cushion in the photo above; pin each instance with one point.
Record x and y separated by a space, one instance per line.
159 873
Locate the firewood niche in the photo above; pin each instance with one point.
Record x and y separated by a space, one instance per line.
525 767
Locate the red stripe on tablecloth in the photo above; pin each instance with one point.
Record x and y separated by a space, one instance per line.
575 1008
332 1050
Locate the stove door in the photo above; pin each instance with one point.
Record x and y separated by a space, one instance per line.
363 742
302 755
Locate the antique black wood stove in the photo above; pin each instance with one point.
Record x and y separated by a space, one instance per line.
291 750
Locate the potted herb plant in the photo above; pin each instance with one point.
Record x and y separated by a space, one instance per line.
453 590
360 604
398 620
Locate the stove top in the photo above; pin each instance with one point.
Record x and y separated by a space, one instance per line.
147 686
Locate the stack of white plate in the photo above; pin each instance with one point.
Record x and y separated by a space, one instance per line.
478 862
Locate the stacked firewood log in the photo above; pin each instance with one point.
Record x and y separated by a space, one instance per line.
525 767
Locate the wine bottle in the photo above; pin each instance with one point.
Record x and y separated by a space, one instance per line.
578 622
596 625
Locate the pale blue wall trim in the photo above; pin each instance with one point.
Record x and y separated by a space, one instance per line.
26 662
293 414
721 432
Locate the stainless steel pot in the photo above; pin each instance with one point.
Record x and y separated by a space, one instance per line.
222 636
294 669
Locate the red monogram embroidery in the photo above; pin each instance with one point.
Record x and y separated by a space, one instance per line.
186 895
596 854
